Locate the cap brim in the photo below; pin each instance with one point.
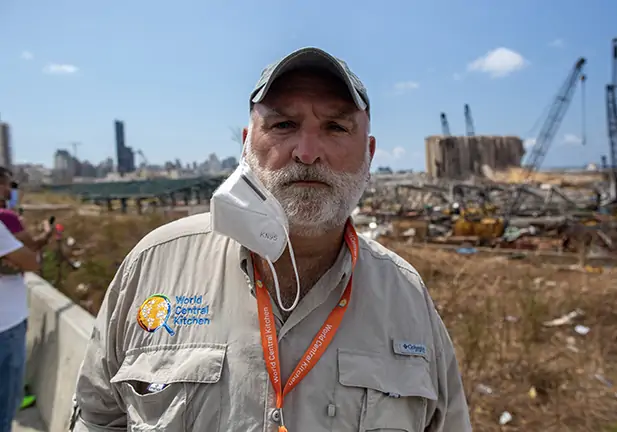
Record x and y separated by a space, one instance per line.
310 58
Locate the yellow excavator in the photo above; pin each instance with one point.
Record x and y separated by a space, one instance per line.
481 222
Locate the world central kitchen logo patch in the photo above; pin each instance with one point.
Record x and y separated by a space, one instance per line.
158 311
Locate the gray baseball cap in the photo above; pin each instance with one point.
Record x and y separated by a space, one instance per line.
313 58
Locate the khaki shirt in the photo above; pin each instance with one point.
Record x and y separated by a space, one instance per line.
391 365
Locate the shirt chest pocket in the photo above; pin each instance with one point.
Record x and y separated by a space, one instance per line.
157 383
394 391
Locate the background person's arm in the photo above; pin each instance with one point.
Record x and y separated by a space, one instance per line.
24 259
19 257
13 223
37 242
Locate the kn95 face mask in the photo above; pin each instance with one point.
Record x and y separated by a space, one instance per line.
244 210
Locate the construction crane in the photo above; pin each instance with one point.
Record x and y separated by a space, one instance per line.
144 161
614 82
547 133
469 122
611 121
445 127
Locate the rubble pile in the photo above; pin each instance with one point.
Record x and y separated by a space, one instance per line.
480 212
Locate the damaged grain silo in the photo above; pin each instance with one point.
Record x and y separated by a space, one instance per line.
462 157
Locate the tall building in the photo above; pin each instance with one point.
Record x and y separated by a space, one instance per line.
6 155
64 166
124 154
63 161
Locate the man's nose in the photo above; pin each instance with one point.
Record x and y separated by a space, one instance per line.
308 149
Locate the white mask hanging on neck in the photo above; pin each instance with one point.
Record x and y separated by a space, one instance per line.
244 210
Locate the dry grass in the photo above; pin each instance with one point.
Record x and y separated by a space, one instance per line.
30 197
493 308
101 243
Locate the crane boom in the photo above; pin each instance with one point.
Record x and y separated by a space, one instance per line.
611 118
614 62
469 122
549 128
555 116
445 127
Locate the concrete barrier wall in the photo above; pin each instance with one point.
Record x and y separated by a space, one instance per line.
58 332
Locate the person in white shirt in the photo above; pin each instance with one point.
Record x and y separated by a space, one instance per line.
15 259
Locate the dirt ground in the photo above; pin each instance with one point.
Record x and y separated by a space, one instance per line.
548 378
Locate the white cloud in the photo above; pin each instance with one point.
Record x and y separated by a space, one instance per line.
529 143
498 63
557 43
60 69
398 152
405 86
384 156
567 140
571 139
26 55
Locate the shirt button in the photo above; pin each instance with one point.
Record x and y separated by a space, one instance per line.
275 416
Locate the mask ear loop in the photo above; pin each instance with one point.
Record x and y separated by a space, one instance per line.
277 288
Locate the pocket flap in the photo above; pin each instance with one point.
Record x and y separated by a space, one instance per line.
403 377
167 364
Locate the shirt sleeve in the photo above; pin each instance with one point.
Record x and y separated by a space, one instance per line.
452 412
98 406
8 242
11 220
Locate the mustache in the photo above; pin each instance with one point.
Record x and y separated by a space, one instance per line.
310 173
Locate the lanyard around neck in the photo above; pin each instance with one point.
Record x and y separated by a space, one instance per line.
319 344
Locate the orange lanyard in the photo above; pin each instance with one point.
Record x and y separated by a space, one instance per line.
319 344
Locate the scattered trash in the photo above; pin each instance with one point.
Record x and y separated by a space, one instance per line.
565 319
505 418
484 389
581 329
466 250
603 380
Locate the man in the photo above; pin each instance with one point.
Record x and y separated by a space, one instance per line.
12 326
196 332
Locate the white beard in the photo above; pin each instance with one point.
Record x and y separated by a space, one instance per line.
313 211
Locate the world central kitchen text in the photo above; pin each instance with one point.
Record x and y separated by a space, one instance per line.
191 310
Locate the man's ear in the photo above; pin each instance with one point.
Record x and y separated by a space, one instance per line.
245 133
372 142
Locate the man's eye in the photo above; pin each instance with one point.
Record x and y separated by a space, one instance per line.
283 125
336 127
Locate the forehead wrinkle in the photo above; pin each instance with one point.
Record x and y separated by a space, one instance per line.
337 111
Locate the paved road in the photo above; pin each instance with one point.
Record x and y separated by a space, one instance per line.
29 420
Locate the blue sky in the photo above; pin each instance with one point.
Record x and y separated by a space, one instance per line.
179 73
